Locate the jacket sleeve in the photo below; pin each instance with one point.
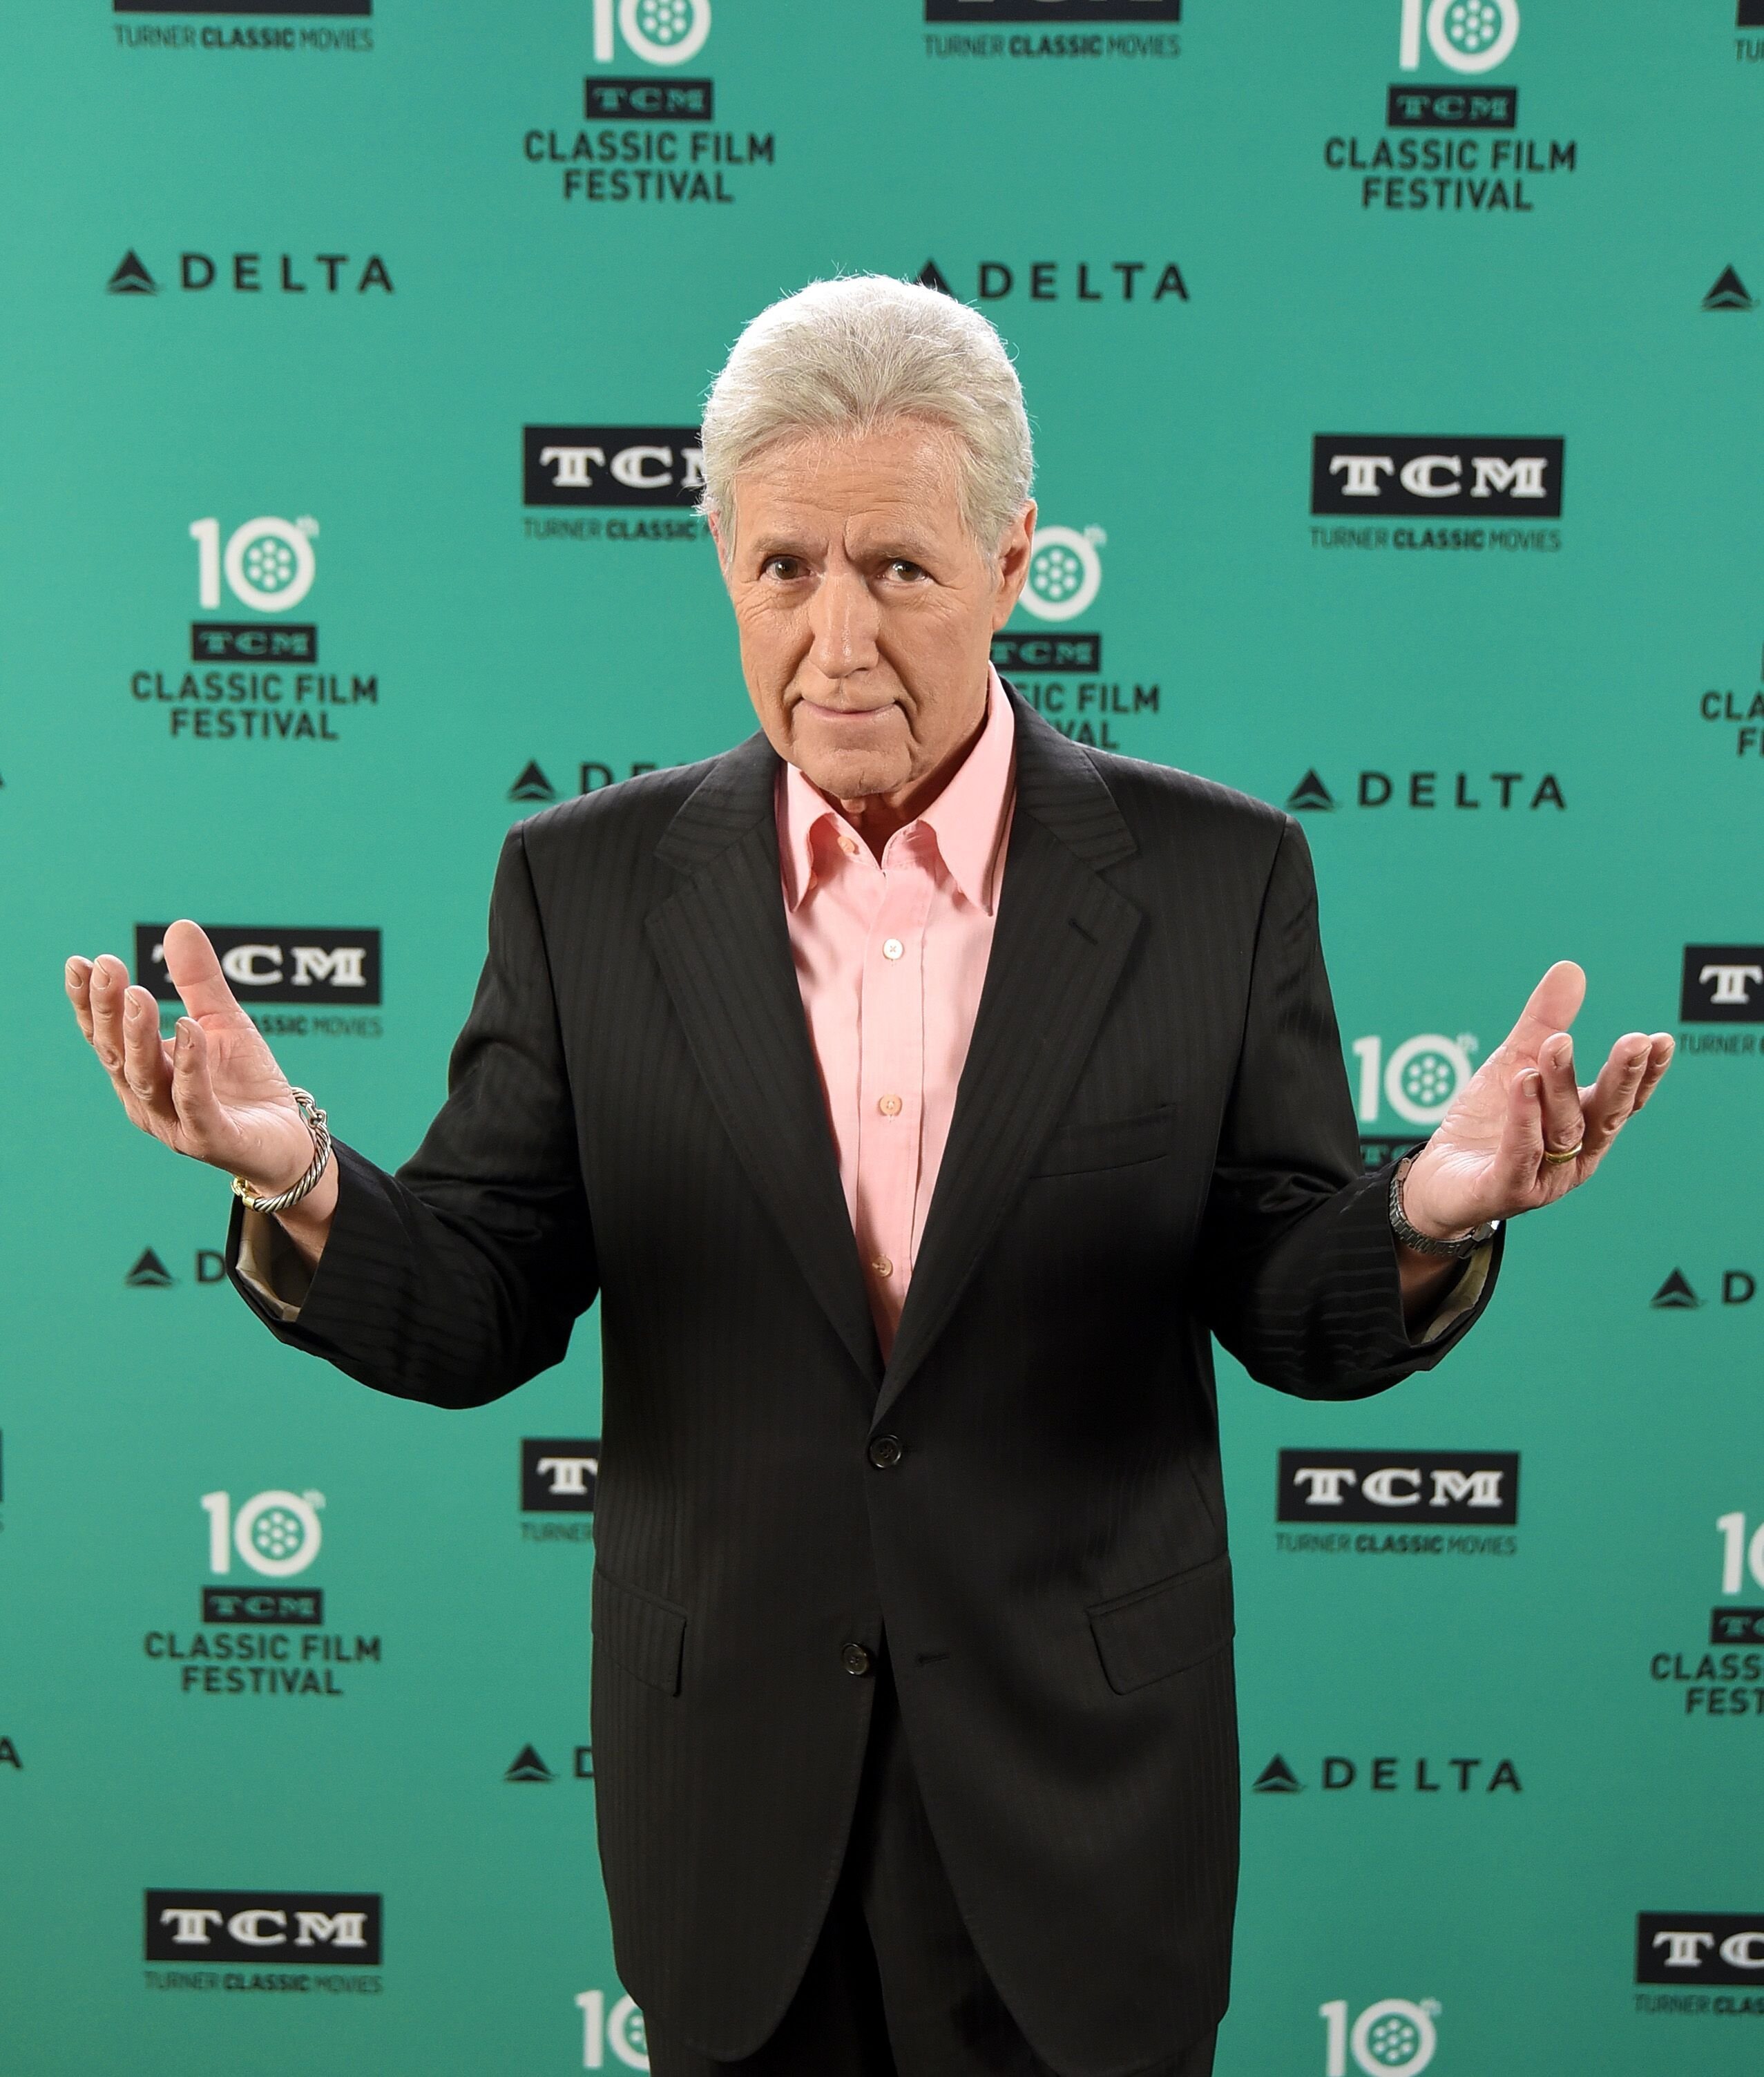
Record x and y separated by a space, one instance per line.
459 1278
1298 1266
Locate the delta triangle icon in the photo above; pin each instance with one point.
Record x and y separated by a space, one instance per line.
149 1273
532 786
931 275
1728 293
1310 792
1675 1294
529 1767
132 277
1276 1778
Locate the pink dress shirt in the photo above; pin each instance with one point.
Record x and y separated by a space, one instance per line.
891 958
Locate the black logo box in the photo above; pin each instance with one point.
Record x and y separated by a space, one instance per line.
1737 1625
1702 1001
649 100
537 1493
670 483
253 642
1054 14
301 965
1028 649
1330 485
273 1945
264 1605
1652 1949
1451 107
1428 1490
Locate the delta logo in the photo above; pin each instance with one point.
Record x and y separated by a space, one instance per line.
244 273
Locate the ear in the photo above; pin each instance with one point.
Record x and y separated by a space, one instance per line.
1013 555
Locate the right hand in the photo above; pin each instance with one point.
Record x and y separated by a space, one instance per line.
215 1093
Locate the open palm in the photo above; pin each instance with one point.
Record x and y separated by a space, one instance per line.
1487 1157
215 1093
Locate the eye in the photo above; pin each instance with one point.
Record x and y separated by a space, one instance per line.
784 569
900 570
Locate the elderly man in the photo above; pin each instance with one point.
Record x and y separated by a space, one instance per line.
919 1091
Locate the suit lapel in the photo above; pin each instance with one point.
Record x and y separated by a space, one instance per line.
1062 938
723 946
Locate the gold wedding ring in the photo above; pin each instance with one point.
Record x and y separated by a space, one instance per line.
1567 1154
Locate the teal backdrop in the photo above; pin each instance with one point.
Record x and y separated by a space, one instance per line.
1396 381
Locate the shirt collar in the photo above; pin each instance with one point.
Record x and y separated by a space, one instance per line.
968 819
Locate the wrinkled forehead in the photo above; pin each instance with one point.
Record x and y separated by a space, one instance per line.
860 488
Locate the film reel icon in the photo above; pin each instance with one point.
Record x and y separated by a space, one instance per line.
1395 2038
1472 35
664 32
1065 571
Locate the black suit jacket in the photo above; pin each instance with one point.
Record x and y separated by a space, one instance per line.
1152 1143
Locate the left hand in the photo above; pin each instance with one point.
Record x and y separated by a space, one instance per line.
1486 1158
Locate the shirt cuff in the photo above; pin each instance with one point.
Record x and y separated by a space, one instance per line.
1459 1299
273 1266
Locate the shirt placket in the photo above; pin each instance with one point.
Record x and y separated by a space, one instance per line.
891 1092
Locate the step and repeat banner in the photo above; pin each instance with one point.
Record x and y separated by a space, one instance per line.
1396 369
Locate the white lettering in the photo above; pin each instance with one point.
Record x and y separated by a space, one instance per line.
572 466
346 1929
1681 1948
341 965
1326 1482
192 1925
246 1926
1521 478
1381 1487
1361 472
568 1473
628 467
252 966
1475 1488
1730 982
1419 477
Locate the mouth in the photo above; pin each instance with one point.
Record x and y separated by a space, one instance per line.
844 717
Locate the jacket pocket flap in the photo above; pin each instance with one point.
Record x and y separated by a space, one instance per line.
1115 1143
645 1636
1158 1630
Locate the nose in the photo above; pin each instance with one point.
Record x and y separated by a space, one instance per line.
843 618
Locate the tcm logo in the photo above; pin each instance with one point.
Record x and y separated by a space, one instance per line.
1053 13
246 1924
1372 1485
660 32
267 963
1440 474
558 1474
1464 35
276 1534
612 465
617 2033
1699 1946
1065 571
1723 984
269 564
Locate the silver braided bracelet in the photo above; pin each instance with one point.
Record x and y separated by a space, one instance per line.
314 1119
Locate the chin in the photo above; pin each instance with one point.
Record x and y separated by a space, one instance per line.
850 775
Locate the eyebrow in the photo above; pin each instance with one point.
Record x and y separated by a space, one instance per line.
904 545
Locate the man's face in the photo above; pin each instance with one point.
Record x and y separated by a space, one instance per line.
866 612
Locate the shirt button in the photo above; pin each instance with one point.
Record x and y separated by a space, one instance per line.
886 1451
849 846
882 1266
854 1660
889 1107
891 948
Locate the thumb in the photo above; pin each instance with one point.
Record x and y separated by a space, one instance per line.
1553 1005
193 1093
196 972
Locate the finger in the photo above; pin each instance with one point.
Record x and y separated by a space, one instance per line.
77 977
196 972
1553 1005
110 981
1564 1123
1661 1046
1519 1156
192 1092
1612 1096
145 1066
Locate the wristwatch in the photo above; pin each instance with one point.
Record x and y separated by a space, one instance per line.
1411 1237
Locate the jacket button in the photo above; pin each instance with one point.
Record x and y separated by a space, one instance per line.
854 1660
886 1450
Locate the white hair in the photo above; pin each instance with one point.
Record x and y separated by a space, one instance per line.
844 357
